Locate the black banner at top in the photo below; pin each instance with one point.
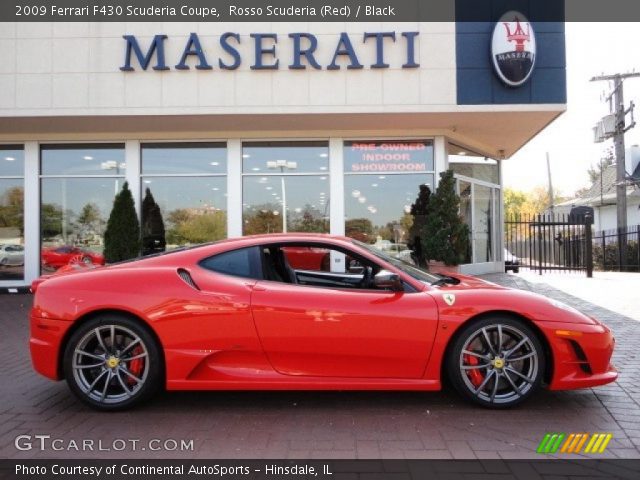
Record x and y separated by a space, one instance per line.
313 10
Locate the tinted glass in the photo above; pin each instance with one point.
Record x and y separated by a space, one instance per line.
184 158
11 161
304 200
377 207
11 229
300 157
389 156
237 263
101 159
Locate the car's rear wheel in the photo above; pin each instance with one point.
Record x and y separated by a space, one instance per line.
112 362
496 362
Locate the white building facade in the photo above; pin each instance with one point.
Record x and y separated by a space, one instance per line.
257 127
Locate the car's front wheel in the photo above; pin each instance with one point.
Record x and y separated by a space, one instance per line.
496 362
112 362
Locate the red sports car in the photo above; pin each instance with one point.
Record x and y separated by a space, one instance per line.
56 257
235 315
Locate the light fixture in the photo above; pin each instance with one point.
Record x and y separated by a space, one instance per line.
374 185
215 189
362 199
462 152
256 169
323 178
323 168
215 164
87 157
245 155
268 188
276 212
298 210
324 155
382 177
355 193
9 159
147 181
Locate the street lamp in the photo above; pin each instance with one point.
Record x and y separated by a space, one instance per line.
282 165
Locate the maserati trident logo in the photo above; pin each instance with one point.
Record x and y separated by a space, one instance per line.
513 48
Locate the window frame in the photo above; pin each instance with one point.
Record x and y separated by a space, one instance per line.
255 264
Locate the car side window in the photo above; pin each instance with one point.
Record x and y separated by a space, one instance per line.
243 262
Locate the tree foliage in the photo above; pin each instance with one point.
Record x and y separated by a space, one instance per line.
445 235
263 219
360 228
122 236
419 211
153 231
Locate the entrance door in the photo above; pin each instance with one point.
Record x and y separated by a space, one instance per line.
480 209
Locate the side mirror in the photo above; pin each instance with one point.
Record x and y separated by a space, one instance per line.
387 280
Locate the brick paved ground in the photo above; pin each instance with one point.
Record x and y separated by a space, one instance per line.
319 424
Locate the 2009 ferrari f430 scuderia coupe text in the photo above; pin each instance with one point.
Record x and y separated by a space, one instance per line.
304 312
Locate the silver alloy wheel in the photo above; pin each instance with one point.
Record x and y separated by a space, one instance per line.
499 363
110 364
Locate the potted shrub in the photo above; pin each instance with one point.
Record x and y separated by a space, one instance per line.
445 235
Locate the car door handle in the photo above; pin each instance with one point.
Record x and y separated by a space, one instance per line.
259 288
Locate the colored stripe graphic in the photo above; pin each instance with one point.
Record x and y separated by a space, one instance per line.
573 443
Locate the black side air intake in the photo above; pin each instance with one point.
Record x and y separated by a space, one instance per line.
186 278
583 362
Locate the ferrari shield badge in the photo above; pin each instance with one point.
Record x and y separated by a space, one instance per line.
449 298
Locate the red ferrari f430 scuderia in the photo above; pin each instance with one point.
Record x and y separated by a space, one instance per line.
304 312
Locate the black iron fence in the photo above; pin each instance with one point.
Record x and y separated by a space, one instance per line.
617 249
550 242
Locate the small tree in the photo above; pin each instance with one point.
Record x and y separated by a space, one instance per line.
153 231
122 236
445 235
419 211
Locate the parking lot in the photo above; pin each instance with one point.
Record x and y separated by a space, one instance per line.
312 424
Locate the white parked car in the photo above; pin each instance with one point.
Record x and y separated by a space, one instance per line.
11 255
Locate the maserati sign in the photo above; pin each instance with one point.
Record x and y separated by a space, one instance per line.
513 49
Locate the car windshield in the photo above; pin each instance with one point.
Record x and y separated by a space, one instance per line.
415 272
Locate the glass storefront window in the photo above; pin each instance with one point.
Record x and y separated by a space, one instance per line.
184 158
377 207
83 159
78 184
285 187
11 213
302 157
382 180
188 183
468 163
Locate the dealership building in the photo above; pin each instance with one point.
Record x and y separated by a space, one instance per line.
246 128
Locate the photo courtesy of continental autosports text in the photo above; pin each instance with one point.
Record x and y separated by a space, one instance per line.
268 239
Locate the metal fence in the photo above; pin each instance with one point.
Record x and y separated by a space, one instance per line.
550 242
617 249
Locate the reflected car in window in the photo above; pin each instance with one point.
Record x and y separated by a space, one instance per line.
56 257
11 255
264 313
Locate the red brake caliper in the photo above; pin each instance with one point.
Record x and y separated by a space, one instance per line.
475 375
136 365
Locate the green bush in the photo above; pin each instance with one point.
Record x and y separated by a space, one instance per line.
122 236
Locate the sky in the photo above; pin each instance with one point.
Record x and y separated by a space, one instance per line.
592 49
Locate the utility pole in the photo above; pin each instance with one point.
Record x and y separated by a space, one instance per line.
618 142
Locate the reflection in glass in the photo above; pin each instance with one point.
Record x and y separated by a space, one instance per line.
11 161
11 228
73 215
184 158
302 200
293 157
389 156
482 224
470 164
193 209
377 207
83 159
464 189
